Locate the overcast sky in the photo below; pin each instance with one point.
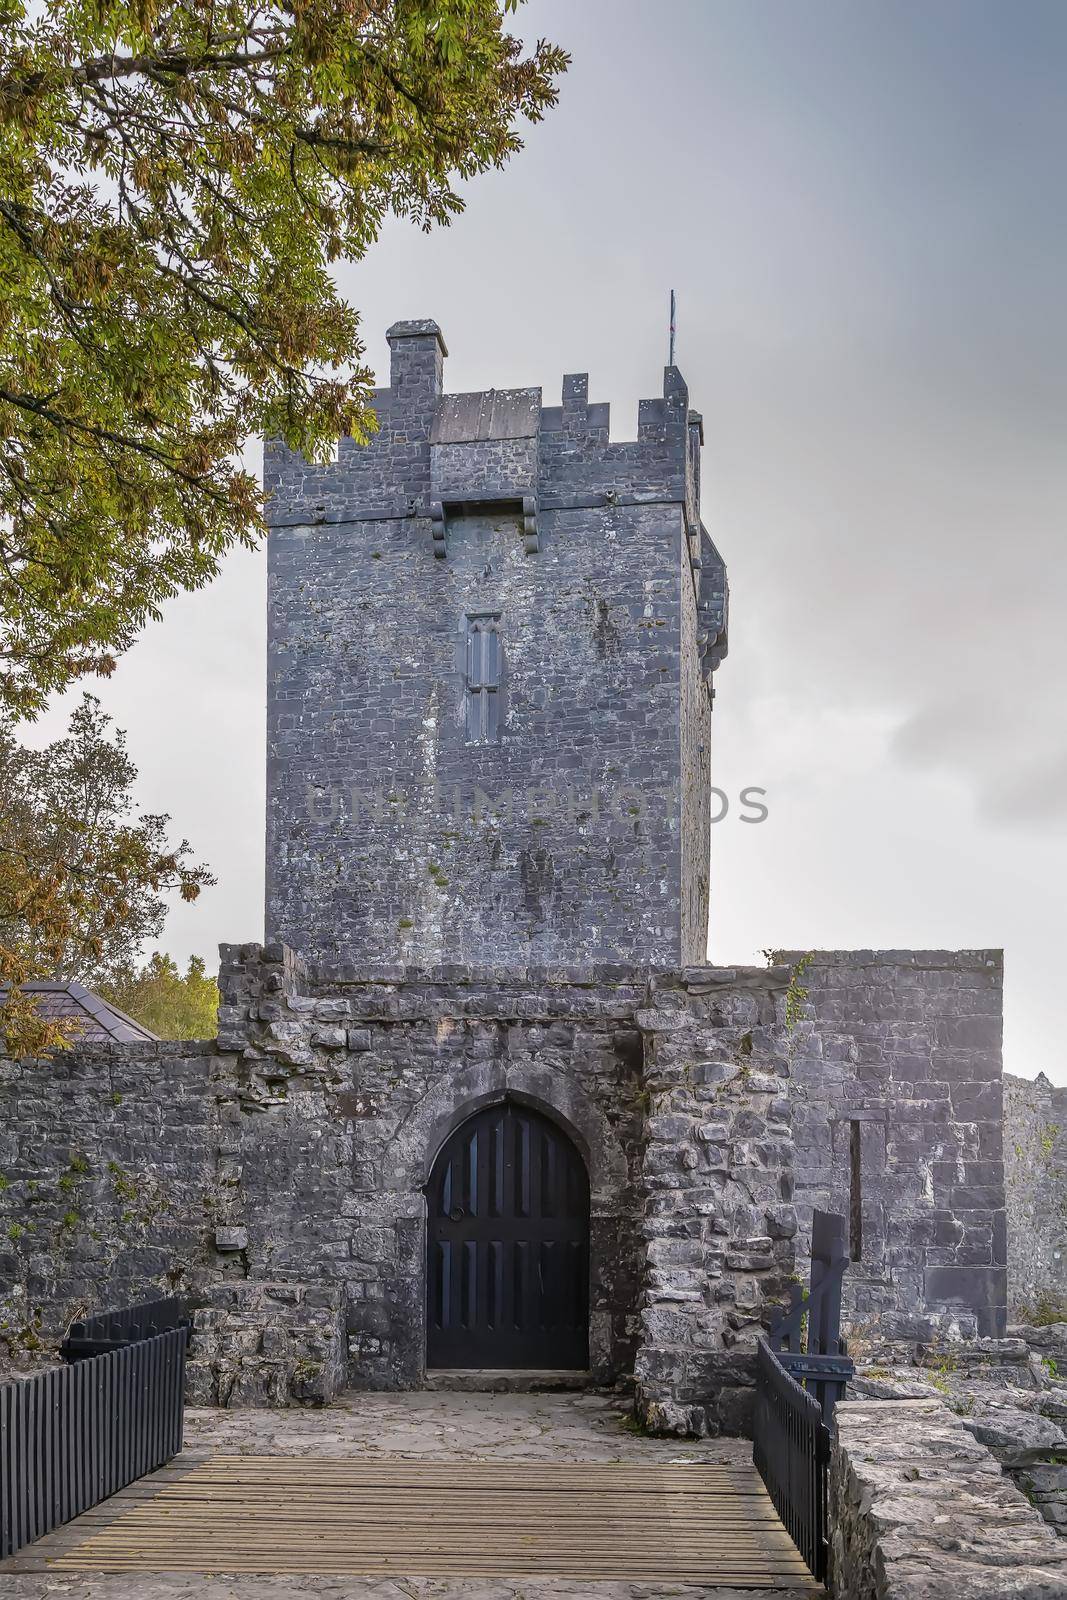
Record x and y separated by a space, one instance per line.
861 207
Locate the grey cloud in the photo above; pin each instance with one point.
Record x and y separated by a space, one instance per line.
1011 754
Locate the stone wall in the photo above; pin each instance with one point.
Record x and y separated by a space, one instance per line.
109 1182
1011 1394
291 1157
718 1220
696 693
295 1150
1035 1168
267 1344
346 1090
919 1510
896 1082
1038 1464
581 832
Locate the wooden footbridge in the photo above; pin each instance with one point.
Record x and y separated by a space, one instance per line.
587 1522
93 1479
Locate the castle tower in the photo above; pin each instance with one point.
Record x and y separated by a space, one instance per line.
491 639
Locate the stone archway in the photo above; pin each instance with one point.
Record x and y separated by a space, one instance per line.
613 1232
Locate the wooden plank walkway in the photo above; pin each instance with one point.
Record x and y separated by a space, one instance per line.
713 1525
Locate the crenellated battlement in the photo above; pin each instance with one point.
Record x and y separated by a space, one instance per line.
491 445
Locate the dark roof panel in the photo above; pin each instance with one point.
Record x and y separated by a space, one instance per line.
99 1021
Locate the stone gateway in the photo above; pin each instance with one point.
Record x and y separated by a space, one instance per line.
479 1101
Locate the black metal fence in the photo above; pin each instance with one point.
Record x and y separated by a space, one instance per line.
792 1456
112 1330
796 1391
72 1436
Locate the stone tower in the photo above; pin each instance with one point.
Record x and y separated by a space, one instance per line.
491 639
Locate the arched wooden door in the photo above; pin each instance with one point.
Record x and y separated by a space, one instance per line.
508 1245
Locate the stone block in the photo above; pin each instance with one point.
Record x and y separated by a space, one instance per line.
1017 1438
675 1252
329 1038
201 1385
231 1238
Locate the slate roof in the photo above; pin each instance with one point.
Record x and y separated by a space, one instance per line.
99 1020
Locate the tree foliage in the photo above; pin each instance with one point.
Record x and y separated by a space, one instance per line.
176 177
170 1003
83 877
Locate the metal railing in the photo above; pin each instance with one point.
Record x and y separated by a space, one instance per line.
796 1391
792 1456
113 1330
74 1435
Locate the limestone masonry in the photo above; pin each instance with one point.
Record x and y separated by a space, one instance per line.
492 637
1035 1167
278 1176
919 1510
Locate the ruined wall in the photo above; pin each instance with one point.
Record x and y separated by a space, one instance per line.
347 1090
277 1177
108 1181
392 835
718 1221
1008 1393
919 1508
267 1344
293 1153
898 1123
1035 1169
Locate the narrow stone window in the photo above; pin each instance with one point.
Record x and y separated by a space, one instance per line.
484 664
855 1194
